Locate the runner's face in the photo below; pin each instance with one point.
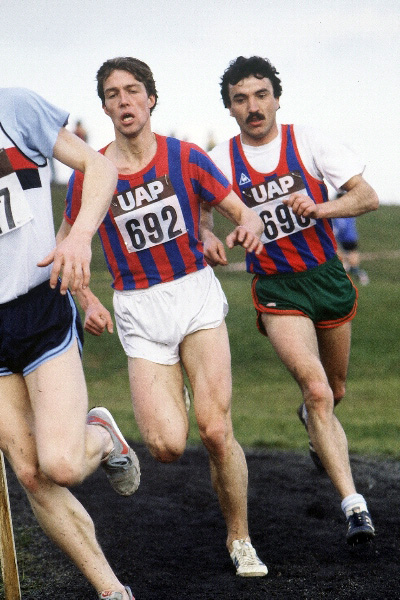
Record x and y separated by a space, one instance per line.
254 107
127 103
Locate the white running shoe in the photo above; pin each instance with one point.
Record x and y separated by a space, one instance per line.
121 465
246 561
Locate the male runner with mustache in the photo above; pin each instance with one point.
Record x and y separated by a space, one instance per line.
304 300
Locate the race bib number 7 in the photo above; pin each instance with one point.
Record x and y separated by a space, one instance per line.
148 214
14 207
279 219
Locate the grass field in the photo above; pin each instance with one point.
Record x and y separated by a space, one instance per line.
264 396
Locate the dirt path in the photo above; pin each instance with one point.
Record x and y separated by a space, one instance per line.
167 541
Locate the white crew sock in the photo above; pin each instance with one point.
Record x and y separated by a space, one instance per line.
354 502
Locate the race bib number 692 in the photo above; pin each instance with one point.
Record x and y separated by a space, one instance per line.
148 214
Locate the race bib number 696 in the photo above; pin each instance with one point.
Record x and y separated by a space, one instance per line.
148 214
266 200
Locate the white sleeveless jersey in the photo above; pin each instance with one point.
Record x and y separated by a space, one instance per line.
26 217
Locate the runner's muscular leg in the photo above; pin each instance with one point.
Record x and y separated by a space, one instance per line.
68 449
206 358
158 405
294 339
58 512
17 439
334 349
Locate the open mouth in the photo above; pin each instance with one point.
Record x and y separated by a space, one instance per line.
127 118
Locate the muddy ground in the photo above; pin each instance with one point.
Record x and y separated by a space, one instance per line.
167 541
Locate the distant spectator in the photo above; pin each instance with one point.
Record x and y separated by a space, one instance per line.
53 174
210 141
345 230
80 131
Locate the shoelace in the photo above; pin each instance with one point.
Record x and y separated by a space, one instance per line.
360 518
247 555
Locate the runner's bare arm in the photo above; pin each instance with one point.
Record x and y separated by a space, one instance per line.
249 225
97 317
72 256
359 199
213 248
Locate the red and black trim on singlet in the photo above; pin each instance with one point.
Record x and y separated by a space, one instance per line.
301 250
26 170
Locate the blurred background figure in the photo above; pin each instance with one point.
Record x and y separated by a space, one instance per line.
53 174
80 131
210 141
345 230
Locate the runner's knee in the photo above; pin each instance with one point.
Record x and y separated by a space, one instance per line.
28 475
318 397
166 451
216 436
63 470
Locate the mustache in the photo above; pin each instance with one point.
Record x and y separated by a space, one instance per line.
256 116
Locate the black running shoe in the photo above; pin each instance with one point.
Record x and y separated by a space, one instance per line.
360 528
313 453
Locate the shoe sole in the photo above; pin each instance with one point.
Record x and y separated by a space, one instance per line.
361 537
116 476
251 574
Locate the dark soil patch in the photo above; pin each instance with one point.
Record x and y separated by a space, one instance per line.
167 541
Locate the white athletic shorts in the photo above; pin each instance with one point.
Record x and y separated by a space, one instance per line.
152 323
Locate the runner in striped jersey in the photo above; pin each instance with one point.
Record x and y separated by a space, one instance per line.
169 307
303 297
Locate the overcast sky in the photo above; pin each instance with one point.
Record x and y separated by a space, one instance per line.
338 61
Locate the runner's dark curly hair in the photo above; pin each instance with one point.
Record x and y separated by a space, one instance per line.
243 67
